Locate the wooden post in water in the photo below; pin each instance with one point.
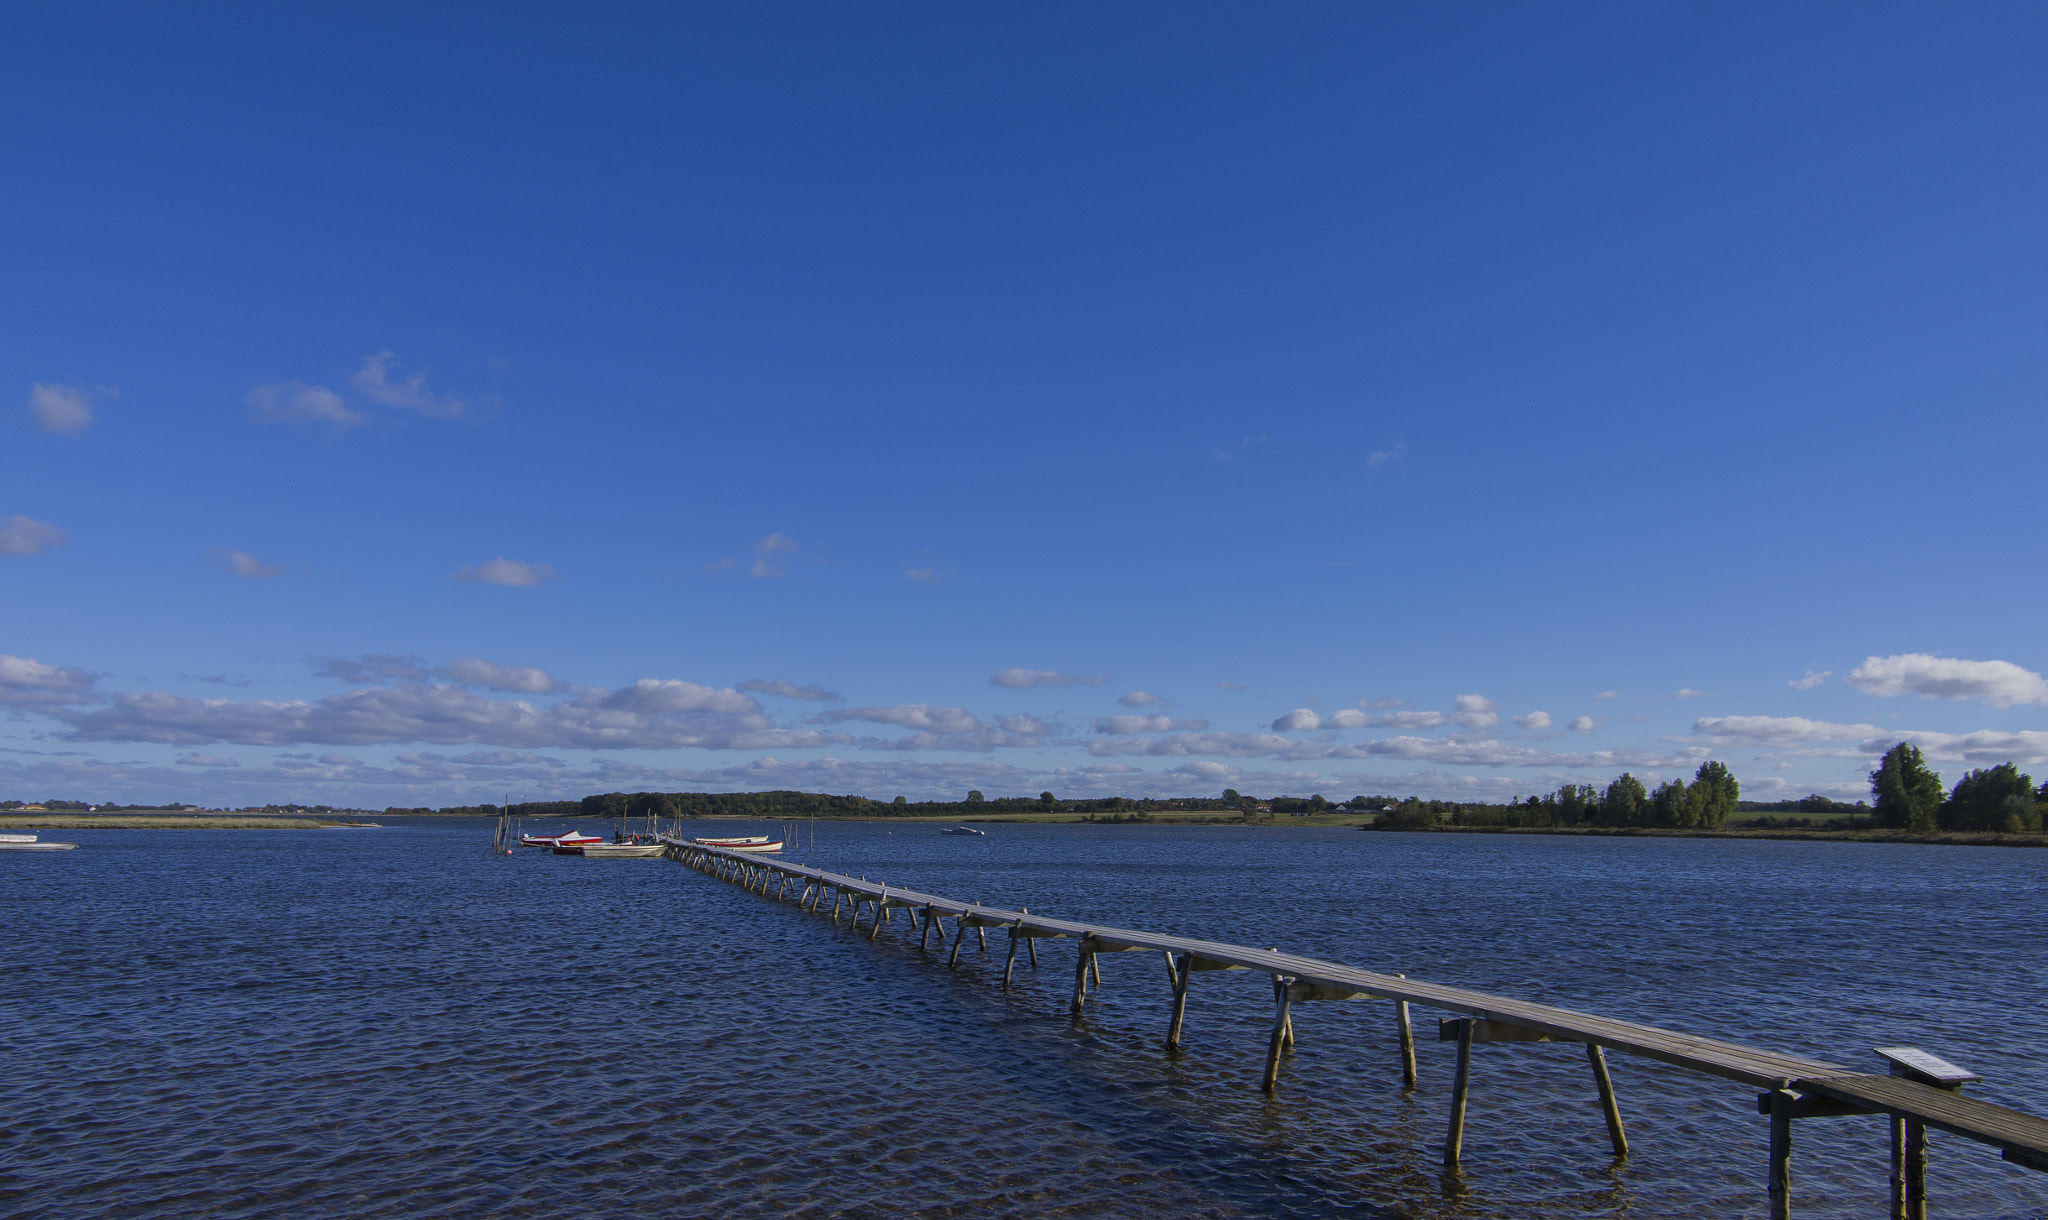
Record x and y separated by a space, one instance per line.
1031 945
1781 1155
1615 1135
925 933
1010 963
1898 1211
1095 969
1916 1170
1454 1143
959 934
1081 974
1282 1021
1407 1042
1180 998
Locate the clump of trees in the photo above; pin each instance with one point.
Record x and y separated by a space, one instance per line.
1703 804
1907 795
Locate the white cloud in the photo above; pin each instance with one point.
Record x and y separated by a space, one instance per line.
1347 718
1028 726
1608 694
25 681
503 571
910 716
1457 752
1025 679
1984 748
1763 732
1386 457
1299 720
649 714
65 409
1534 721
1411 720
1138 698
1583 724
373 667
292 402
1811 679
1997 683
1687 692
518 679
206 760
1231 685
373 381
241 563
924 576
767 549
21 535
789 690
1121 726
1477 712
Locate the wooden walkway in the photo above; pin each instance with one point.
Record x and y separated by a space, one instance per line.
1920 1093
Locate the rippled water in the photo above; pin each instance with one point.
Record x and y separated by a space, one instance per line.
395 1023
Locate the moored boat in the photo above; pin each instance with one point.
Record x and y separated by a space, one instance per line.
572 838
963 830
759 843
617 851
13 842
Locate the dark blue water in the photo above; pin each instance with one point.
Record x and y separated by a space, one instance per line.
395 1023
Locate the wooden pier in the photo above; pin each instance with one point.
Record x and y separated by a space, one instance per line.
1919 1092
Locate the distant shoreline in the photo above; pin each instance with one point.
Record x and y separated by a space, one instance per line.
116 821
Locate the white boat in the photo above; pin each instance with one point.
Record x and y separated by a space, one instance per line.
29 843
758 843
572 838
963 830
617 851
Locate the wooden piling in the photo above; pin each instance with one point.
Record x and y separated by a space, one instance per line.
1781 1155
1010 962
1916 1170
1081 976
1898 1210
1407 1043
1454 1142
1615 1135
881 913
1030 943
959 934
1180 998
1282 1021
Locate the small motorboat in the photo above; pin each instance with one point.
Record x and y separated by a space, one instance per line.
758 843
616 851
29 843
963 830
573 838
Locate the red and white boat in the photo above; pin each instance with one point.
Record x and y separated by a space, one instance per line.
574 838
753 843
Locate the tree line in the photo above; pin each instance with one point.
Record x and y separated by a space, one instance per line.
1703 804
1907 795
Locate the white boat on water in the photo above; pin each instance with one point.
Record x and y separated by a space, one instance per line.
964 830
571 839
759 843
616 851
13 842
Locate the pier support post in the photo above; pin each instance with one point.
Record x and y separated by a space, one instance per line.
1781 1155
1407 1045
1283 1021
925 933
1010 963
1185 972
1031 945
1081 975
1095 969
1916 1170
1615 1135
959 934
1454 1142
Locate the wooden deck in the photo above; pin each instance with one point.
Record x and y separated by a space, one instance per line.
1794 1086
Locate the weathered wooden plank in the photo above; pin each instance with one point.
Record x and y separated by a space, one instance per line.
1987 1123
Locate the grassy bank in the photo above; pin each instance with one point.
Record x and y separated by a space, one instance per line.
86 821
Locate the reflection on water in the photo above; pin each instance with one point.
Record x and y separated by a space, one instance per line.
395 1023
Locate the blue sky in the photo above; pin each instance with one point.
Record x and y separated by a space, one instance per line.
410 407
